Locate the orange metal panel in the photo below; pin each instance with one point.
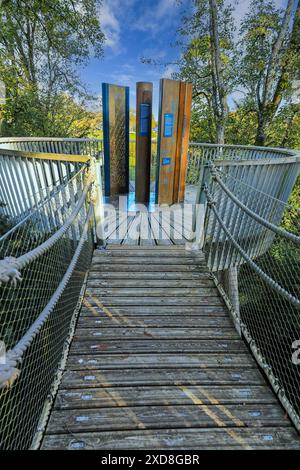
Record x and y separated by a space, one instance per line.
187 91
169 99
175 106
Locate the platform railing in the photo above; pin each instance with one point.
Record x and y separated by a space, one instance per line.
45 255
52 202
31 168
255 262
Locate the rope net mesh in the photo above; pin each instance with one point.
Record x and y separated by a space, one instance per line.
268 297
22 403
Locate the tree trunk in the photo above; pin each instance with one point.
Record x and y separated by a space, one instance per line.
219 93
220 133
260 139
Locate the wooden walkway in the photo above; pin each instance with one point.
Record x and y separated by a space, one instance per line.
136 224
156 363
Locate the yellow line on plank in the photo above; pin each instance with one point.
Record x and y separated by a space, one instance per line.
197 401
113 316
94 311
221 407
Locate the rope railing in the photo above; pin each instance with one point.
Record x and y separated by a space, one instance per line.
258 218
255 262
10 267
9 371
273 284
45 256
43 263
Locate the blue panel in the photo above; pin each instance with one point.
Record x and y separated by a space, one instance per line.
168 125
166 161
144 119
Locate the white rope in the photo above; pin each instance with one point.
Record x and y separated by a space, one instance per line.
9 371
273 284
9 271
10 267
280 231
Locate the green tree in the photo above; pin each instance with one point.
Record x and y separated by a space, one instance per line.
269 58
41 42
208 60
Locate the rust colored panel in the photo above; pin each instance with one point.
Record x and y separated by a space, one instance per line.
116 138
186 91
174 118
169 97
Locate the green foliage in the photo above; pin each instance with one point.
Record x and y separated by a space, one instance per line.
41 42
4 222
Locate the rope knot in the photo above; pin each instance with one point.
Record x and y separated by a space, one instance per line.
9 271
8 370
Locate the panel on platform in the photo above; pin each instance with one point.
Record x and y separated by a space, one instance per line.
174 123
115 102
143 141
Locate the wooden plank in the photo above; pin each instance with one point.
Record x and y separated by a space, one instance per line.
82 379
144 275
165 417
219 438
91 308
146 235
124 282
145 248
155 352
153 321
161 237
132 236
99 397
193 292
108 260
123 346
146 301
91 334
143 253
158 360
147 267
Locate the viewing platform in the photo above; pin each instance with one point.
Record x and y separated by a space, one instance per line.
154 327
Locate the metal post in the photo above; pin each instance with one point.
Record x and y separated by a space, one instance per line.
143 141
230 277
200 206
98 204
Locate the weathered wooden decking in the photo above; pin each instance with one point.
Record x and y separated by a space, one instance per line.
131 225
156 363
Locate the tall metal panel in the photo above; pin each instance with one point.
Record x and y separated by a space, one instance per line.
143 140
186 91
174 118
115 102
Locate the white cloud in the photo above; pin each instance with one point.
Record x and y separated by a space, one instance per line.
169 70
110 24
155 18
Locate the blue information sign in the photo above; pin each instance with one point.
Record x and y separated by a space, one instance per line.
166 161
168 125
144 119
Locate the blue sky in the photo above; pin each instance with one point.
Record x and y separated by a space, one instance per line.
137 28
